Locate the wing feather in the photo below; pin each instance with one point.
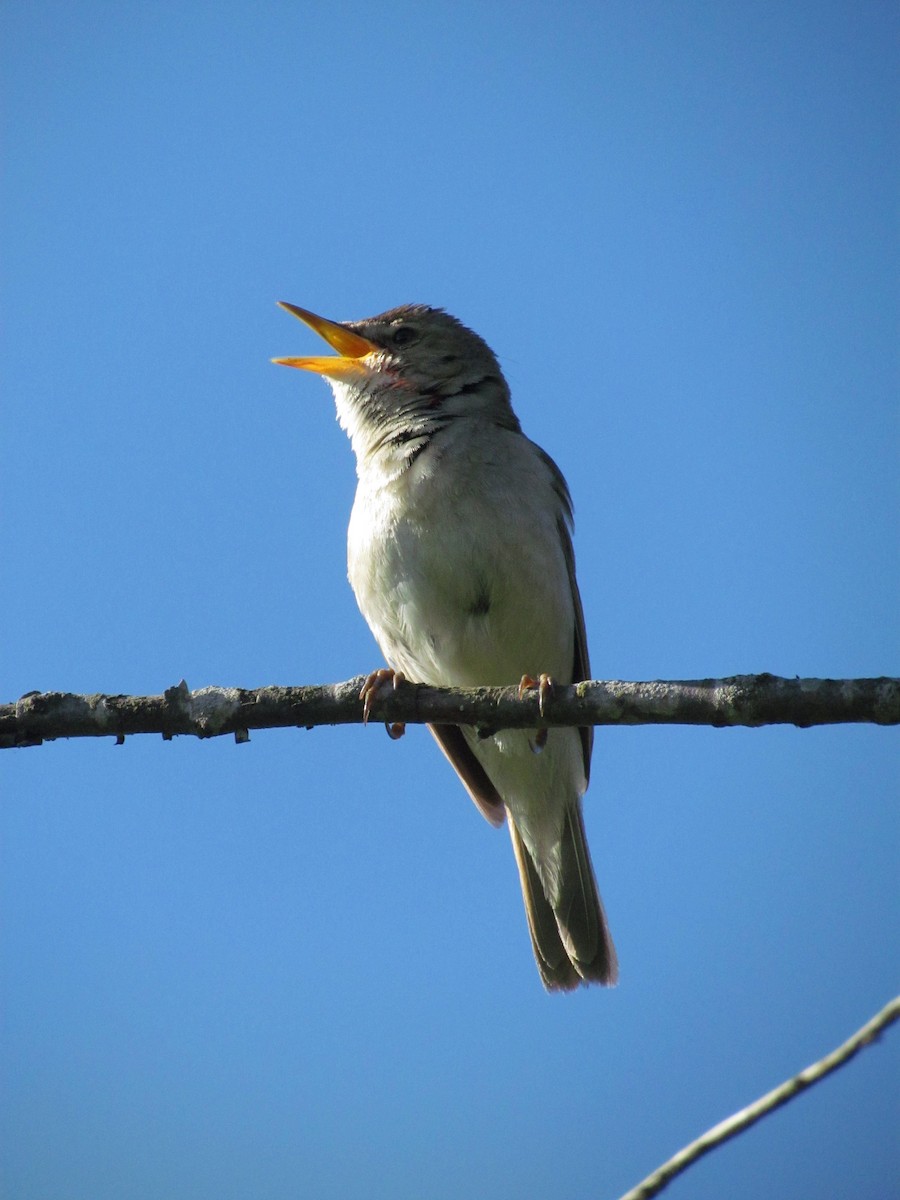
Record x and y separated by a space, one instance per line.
475 779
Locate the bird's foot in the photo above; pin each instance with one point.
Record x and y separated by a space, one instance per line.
545 685
376 683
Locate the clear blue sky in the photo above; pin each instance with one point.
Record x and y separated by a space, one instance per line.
300 967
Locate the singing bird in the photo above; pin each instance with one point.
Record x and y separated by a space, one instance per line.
460 557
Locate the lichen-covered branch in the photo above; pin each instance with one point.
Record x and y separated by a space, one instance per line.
749 700
760 1108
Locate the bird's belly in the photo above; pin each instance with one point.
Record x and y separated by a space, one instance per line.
459 604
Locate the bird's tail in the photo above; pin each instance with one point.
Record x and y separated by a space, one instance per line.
569 934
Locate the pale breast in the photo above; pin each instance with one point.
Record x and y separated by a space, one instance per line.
459 569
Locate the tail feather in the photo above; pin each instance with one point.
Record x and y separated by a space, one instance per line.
550 954
569 934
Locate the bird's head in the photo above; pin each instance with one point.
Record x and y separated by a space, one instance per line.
400 377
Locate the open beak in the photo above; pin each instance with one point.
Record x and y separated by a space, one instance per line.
351 348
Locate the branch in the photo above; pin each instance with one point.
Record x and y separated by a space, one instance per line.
749 700
748 1116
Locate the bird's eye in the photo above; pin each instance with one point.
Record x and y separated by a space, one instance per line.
404 336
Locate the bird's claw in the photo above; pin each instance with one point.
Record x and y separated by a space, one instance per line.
545 685
375 684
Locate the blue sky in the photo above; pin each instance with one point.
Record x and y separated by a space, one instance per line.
300 966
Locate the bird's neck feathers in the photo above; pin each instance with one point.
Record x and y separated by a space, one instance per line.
390 422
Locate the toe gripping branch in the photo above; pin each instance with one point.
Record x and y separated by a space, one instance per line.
545 688
376 686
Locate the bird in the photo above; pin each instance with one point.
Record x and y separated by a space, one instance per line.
460 556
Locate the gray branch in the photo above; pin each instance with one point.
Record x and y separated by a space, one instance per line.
748 700
754 1112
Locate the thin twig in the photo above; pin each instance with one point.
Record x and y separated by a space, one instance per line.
748 1116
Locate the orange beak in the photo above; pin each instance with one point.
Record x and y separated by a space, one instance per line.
351 348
